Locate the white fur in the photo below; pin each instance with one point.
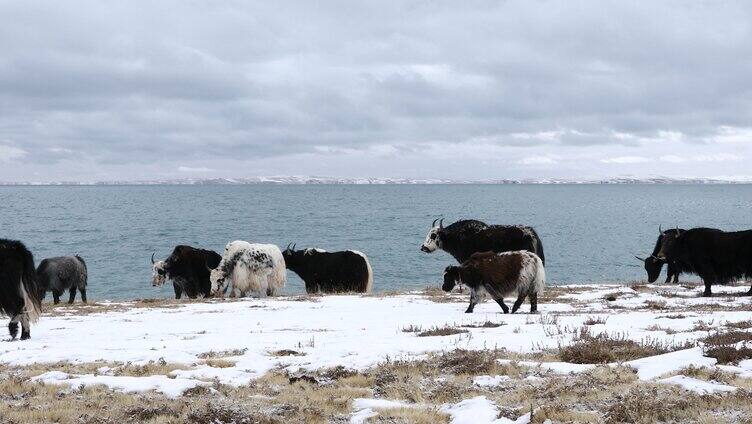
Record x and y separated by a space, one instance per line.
369 285
432 244
31 310
156 279
532 277
245 280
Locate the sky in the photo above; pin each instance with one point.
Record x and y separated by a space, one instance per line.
93 91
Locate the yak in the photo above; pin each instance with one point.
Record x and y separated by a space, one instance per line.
330 272
463 238
62 273
718 257
500 274
188 268
253 268
18 287
653 265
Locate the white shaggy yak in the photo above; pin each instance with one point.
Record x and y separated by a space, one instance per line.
251 268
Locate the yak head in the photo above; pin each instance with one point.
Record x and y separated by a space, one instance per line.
291 255
433 238
218 279
159 272
653 266
451 278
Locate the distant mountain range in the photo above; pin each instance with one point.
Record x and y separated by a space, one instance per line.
382 181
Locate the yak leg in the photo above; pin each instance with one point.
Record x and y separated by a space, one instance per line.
13 327
83 294
178 291
533 303
72 295
56 297
25 327
503 305
708 282
518 302
474 299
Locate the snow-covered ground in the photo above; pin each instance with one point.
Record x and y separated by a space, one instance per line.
359 332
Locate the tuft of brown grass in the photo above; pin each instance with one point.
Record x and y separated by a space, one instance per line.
740 325
487 324
223 353
287 352
727 338
605 348
441 331
595 320
728 354
646 405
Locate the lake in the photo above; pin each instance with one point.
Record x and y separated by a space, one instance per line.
590 232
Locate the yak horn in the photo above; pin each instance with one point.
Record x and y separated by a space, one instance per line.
441 224
433 224
152 258
288 246
639 258
293 245
660 231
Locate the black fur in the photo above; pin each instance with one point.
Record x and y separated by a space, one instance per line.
329 272
653 265
188 268
16 269
718 257
463 238
62 273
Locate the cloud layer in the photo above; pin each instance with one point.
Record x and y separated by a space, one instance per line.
92 90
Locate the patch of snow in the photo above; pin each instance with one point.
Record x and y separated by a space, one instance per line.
370 403
171 387
479 410
229 376
698 386
656 366
490 381
361 416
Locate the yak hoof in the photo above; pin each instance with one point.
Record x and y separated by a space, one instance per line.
469 311
25 335
13 330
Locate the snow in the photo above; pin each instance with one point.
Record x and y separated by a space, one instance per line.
490 381
356 332
699 386
479 410
171 387
656 366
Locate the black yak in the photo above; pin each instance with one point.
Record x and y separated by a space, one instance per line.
188 268
463 238
718 257
330 272
19 297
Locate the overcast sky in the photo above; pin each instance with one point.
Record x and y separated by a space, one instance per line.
473 89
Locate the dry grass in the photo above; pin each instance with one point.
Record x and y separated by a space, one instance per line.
605 348
441 331
595 320
487 324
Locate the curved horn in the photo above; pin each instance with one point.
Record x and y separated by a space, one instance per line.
433 224
293 245
660 230
639 258
441 224
288 246
152 258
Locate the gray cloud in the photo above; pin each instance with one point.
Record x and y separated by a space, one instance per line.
92 90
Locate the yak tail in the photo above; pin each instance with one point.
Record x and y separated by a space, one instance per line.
539 280
369 280
369 283
29 291
539 250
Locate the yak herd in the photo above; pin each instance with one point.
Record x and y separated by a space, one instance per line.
498 260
